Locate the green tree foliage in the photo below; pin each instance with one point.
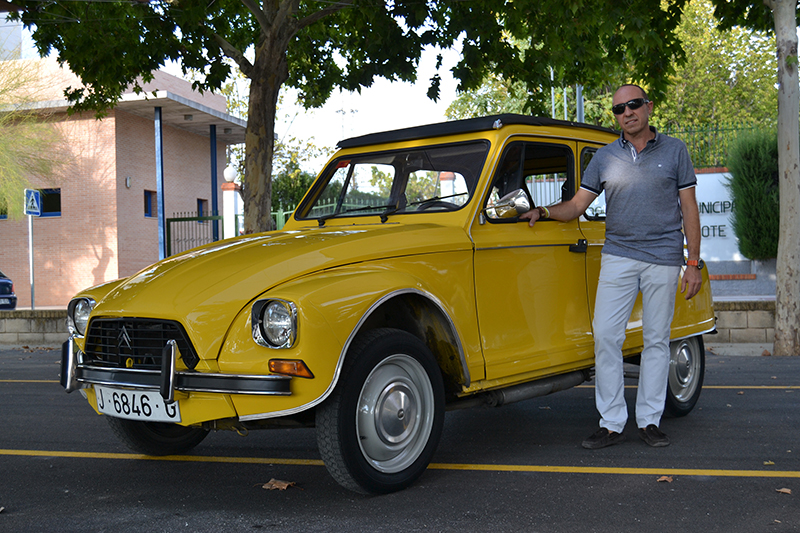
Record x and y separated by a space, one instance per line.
727 76
753 163
30 144
289 186
318 46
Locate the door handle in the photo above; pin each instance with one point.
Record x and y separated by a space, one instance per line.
580 247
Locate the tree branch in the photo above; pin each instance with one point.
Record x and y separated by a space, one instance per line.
234 53
322 13
259 13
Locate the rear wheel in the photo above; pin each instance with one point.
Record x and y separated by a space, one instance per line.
687 366
156 438
378 430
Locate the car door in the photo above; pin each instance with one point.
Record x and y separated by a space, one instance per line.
530 283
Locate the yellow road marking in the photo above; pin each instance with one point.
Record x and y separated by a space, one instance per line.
28 381
177 458
721 387
435 466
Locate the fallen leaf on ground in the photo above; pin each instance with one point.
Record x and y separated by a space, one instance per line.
765 353
273 484
667 479
768 463
740 393
2 509
784 491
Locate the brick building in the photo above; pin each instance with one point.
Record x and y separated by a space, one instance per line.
100 219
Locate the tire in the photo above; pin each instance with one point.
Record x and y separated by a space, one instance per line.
156 438
378 430
687 365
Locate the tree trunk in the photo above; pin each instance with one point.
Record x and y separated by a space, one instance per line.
269 72
787 305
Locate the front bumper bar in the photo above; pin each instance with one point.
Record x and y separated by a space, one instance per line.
75 375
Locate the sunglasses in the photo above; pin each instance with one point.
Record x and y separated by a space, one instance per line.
636 103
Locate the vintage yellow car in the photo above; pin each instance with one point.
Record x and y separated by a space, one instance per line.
403 285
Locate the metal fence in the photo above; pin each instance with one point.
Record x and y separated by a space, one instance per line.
709 144
279 218
187 230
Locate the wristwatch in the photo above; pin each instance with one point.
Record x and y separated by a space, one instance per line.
699 263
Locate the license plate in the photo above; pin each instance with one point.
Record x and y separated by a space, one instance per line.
4 301
136 405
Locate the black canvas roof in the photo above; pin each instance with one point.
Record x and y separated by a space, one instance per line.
460 126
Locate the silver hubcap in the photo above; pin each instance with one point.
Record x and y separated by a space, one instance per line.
684 369
395 413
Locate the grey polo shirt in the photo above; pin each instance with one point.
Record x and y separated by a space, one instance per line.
643 213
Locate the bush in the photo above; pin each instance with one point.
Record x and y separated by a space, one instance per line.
753 164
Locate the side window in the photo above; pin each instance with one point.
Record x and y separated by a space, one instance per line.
543 172
150 205
597 209
51 203
202 209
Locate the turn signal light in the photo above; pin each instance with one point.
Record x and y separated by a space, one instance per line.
290 367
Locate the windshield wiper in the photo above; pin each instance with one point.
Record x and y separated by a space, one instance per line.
390 208
437 198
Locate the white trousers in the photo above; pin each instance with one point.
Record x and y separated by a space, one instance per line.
621 280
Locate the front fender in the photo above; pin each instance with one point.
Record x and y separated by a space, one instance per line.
332 308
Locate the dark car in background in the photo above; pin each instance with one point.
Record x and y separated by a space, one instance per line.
8 300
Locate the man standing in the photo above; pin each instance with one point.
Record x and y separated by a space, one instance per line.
650 184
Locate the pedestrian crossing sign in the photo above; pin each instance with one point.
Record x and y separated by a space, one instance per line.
33 202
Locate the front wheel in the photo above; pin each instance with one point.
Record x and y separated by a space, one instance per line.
378 430
687 364
156 438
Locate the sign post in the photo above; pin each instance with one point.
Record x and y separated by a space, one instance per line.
33 208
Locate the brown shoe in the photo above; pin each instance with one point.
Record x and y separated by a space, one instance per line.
602 438
653 436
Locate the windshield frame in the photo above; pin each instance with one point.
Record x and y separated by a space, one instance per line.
396 202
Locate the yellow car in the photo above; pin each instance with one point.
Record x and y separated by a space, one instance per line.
403 285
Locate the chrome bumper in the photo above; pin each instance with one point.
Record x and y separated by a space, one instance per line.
75 375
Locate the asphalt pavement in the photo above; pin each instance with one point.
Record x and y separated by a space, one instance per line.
733 465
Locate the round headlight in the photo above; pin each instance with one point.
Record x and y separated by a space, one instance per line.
278 323
79 311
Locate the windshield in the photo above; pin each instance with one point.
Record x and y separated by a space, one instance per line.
428 179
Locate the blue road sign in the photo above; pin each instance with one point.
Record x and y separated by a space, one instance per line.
33 202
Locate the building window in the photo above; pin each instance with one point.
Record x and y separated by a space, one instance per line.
149 204
202 209
51 203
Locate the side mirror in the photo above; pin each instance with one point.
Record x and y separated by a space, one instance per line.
511 205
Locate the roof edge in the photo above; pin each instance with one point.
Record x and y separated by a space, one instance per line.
454 127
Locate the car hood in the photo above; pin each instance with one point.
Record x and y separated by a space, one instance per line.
205 288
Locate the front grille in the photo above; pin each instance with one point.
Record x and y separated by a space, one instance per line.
135 343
